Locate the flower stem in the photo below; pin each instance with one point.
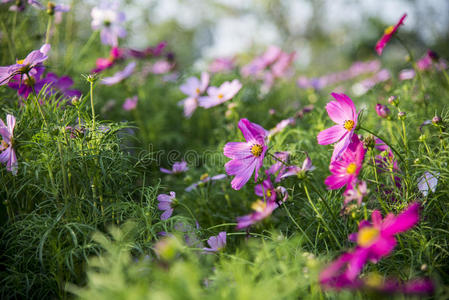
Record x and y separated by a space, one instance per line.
297 225
37 102
48 33
385 141
92 103
282 162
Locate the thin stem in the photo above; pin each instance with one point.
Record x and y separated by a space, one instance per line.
297 225
320 216
385 141
48 33
222 225
92 103
188 209
285 164
37 102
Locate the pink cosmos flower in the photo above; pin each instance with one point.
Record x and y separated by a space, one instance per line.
120 75
299 171
193 88
345 170
356 193
343 113
382 110
130 103
162 67
266 190
221 65
282 125
279 166
216 243
247 157
8 155
166 203
178 167
374 241
216 96
387 35
203 179
406 74
24 66
262 209
105 63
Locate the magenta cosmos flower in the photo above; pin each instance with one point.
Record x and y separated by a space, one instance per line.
166 204
216 243
263 209
26 65
345 170
247 157
374 241
266 190
107 18
387 35
104 63
193 88
218 95
343 112
178 167
130 103
8 155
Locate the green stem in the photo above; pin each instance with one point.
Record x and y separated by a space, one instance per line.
188 209
278 159
37 102
297 225
385 141
320 216
222 225
48 33
92 103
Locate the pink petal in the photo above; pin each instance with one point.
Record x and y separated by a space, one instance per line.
252 132
404 221
331 135
237 150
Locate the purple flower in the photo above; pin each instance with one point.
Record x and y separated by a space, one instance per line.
8 155
62 85
280 165
120 75
382 110
356 193
216 243
161 67
218 95
300 172
221 65
130 103
406 74
247 157
25 83
108 19
193 88
266 190
282 125
24 66
205 178
21 5
166 203
178 167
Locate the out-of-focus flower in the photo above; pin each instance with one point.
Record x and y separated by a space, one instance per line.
406 74
8 155
193 88
218 95
262 209
107 18
216 243
178 167
345 170
281 125
120 75
387 35
247 157
428 181
362 87
429 60
21 5
62 85
222 65
130 103
343 113
150 51
205 178
382 110
355 193
25 66
105 63
166 204
300 172
374 241
162 67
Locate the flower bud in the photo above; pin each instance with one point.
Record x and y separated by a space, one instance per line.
402 115
75 100
393 100
382 110
369 142
436 120
51 8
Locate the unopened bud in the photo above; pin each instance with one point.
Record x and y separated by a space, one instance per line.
436 120
382 110
369 142
402 115
393 100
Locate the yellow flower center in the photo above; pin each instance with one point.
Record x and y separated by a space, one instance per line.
204 176
197 90
352 167
269 193
259 205
20 61
389 29
4 145
374 280
256 150
348 125
367 236
220 96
